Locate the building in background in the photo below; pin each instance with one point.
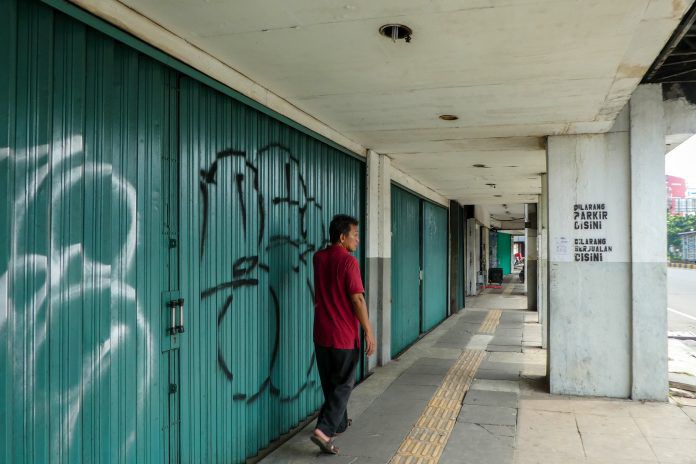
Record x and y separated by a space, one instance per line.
676 191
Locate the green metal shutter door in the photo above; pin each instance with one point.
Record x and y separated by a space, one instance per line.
504 252
247 267
88 161
405 269
434 265
82 249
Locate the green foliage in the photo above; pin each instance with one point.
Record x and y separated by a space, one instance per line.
676 225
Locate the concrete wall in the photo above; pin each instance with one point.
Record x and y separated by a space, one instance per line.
590 317
482 215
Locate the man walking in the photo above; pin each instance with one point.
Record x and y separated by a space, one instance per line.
339 307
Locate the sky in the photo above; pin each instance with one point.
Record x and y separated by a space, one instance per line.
681 161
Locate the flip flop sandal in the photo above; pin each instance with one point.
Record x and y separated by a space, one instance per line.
324 445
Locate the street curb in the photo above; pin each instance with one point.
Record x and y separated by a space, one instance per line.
682 265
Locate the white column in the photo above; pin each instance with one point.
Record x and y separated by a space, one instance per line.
589 290
378 254
472 256
543 260
649 245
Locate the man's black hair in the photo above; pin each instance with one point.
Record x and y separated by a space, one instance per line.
340 224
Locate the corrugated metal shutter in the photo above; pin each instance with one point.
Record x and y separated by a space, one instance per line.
504 252
434 265
259 200
83 254
405 317
104 159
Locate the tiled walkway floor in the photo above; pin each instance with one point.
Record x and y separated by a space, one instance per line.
506 415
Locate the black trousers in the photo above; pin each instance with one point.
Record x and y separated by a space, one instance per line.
337 373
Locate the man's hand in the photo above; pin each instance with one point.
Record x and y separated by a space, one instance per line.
370 344
360 308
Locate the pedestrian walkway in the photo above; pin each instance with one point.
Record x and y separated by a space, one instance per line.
474 391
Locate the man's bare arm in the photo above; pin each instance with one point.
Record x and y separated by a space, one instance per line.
360 308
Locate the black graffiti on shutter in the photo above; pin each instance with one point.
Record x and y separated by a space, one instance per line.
246 270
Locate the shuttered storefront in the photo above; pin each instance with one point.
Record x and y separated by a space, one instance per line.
419 248
505 252
155 255
261 197
405 256
434 264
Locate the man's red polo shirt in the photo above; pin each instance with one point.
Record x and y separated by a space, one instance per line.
336 278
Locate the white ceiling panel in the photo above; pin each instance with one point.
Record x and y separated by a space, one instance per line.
513 71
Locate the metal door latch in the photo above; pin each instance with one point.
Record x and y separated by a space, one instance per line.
173 388
175 326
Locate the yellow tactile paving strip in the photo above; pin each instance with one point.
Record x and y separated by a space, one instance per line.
428 438
489 324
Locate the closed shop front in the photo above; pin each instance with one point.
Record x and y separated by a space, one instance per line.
419 267
434 265
156 289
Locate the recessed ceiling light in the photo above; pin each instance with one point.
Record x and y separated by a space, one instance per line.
448 117
396 32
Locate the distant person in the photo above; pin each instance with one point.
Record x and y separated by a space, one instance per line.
339 306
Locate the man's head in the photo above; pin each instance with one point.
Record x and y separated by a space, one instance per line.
344 231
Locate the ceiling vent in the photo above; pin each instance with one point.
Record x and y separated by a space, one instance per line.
396 32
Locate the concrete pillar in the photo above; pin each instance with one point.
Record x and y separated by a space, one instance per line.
456 281
378 254
590 291
607 249
530 266
543 260
649 245
472 256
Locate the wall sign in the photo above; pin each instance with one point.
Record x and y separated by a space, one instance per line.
590 243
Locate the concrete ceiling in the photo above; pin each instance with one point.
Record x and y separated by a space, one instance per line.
512 70
506 213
